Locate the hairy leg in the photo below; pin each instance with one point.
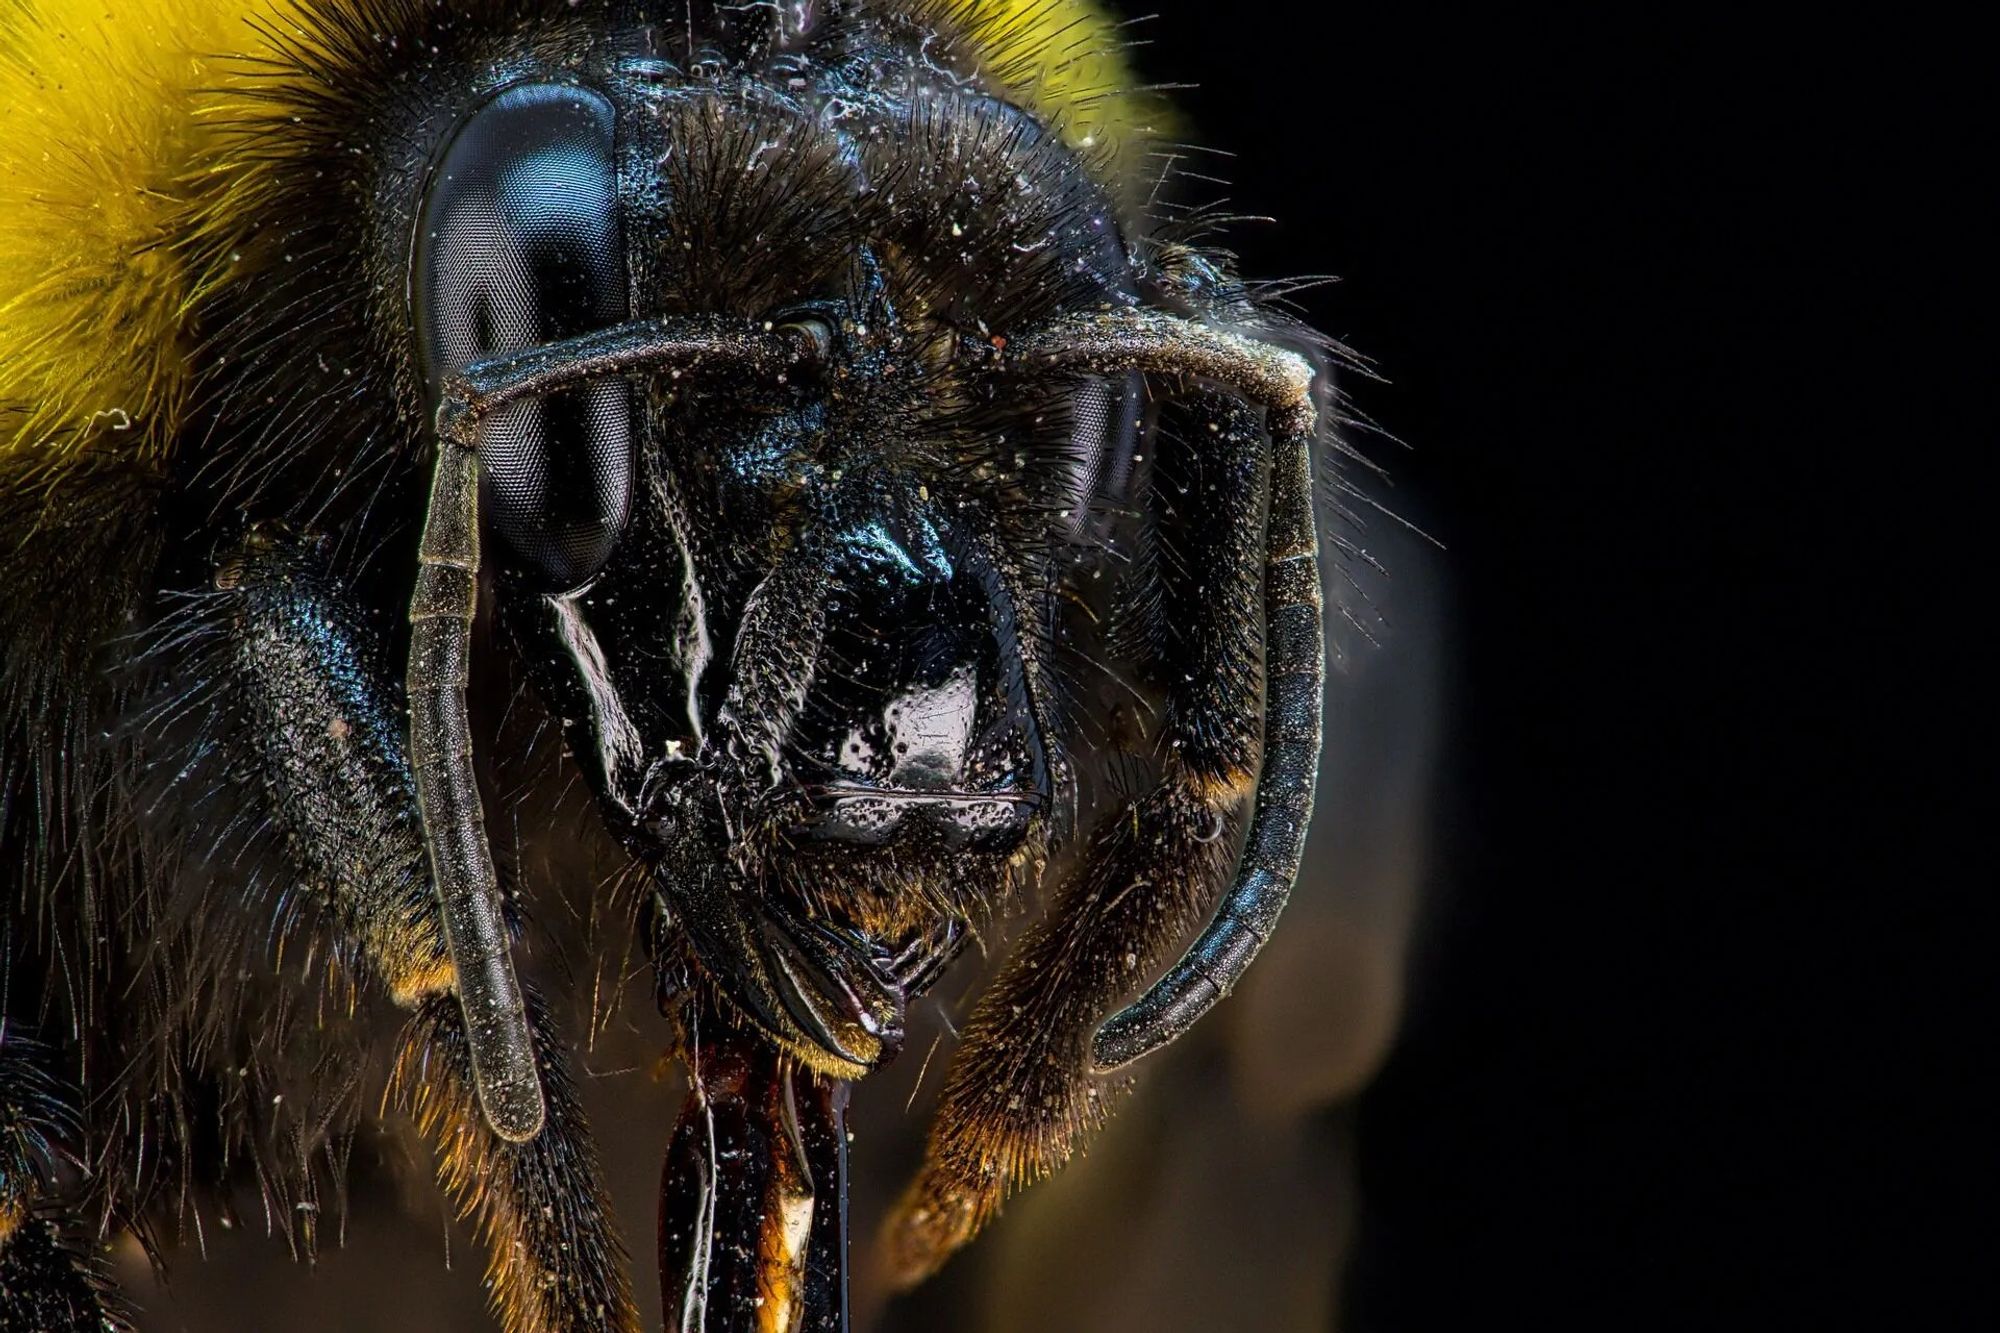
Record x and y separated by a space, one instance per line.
328 737
47 1282
553 1264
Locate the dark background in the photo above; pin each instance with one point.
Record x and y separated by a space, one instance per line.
1685 987
1673 1002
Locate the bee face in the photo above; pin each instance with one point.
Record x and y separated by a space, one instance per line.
788 622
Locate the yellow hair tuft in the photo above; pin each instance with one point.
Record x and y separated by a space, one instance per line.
95 143
1066 61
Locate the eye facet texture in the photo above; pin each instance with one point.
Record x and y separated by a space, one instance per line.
518 245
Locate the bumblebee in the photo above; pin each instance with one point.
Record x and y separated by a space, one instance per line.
745 490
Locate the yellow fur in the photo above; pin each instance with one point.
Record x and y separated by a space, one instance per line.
118 198
1066 59
101 213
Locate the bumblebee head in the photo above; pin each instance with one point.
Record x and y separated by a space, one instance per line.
773 542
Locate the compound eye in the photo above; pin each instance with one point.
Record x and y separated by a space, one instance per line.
518 245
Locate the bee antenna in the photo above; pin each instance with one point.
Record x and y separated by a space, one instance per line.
1295 649
442 609
1295 674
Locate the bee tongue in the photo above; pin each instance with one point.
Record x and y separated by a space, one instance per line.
753 1197
806 985
842 987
